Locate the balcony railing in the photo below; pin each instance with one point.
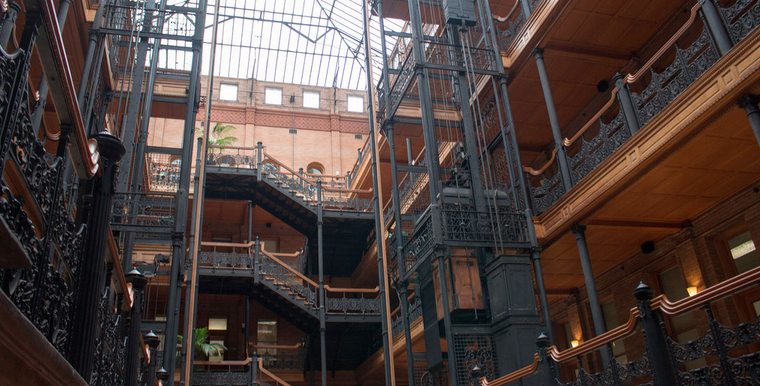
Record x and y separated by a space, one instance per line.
144 212
336 194
463 226
667 74
728 353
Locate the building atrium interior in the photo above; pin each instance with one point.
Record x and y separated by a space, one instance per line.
379 192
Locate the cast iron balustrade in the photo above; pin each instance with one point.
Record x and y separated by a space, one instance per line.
727 354
666 75
37 225
508 27
110 344
143 212
415 313
461 225
208 373
299 185
451 57
398 88
740 18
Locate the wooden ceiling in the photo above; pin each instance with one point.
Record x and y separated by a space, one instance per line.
719 162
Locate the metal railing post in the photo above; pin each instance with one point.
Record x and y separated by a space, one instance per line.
663 371
626 103
259 158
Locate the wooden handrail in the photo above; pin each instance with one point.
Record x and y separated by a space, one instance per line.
501 19
281 254
224 147
538 172
229 245
515 375
354 290
569 141
279 346
270 374
223 363
665 47
291 269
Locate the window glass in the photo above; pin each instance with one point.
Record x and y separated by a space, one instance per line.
217 324
311 99
228 92
315 168
273 96
266 335
743 252
216 356
355 104
756 305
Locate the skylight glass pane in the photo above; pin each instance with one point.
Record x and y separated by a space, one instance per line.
355 104
273 96
311 99
228 92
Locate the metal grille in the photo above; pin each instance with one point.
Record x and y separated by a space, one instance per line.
472 350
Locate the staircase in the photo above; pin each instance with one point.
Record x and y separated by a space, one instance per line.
274 280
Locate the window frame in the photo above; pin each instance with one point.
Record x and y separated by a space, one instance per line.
266 96
355 97
221 93
311 92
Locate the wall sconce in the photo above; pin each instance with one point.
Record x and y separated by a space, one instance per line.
574 343
691 290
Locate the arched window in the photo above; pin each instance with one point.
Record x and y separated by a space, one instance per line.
315 168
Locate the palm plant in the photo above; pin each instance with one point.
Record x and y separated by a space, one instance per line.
220 135
201 344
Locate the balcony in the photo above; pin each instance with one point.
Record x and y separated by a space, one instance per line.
637 100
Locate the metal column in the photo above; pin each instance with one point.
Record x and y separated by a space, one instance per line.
749 104
564 168
588 277
322 300
182 193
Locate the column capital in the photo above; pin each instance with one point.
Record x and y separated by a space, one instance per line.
578 229
748 101
109 146
538 52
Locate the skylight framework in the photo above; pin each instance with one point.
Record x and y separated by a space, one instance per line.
307 42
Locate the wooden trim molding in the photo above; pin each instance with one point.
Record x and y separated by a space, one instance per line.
533 32
29 358
717 89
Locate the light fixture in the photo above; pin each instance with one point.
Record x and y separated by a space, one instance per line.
691 290
574 343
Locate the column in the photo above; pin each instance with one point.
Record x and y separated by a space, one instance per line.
588 277
749 104
626 103
93 266
715 25
564 168
132 367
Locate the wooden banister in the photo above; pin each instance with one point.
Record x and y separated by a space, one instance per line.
353 290
538 172
228 245
223 363
270 374
291 269
631 78
569 141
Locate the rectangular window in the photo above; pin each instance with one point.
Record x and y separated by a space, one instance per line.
217 324
311 99
273 96
355 104
266 335
743 252
228 92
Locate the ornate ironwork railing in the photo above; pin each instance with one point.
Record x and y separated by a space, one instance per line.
415 313
509 26
667 74
110 344
740 18
143 211
163 172
232 156
208 373
38 229
666 361
449 56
